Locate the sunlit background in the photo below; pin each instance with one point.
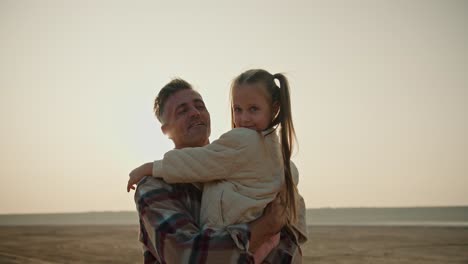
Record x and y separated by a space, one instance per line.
379 94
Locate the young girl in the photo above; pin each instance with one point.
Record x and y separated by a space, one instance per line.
246 167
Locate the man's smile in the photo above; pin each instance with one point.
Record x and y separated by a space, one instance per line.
197 124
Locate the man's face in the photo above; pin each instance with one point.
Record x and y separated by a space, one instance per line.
186 119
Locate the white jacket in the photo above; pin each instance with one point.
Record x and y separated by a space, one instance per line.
242 172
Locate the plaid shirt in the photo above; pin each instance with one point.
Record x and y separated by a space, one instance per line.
170 232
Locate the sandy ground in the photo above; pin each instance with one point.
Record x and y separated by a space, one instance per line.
118 244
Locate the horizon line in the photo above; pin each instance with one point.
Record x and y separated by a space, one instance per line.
312 208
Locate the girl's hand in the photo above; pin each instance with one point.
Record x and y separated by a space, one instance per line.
138 174
135 177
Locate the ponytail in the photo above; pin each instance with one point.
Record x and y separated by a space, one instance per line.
287 135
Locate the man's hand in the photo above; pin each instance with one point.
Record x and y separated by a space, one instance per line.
276 214
139 173
262 252
270 223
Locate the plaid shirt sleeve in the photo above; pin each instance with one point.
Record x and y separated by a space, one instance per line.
169 227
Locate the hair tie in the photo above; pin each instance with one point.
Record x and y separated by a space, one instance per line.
275 77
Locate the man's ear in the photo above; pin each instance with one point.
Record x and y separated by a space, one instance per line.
164 129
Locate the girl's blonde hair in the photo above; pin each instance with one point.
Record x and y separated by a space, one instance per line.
279 95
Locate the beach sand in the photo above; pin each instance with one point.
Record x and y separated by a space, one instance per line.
327 244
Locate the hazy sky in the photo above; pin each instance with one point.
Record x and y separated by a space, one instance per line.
379 94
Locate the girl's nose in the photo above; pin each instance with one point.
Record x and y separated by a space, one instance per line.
245 118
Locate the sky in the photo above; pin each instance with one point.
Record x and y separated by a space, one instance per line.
379 94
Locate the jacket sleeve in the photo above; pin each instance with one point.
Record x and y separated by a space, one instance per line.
214 161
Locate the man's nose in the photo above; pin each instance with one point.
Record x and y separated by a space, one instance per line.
194 112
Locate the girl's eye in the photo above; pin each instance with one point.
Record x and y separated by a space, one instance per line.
253 109
237 109
200 107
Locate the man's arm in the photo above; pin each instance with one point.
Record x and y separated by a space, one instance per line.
169 230
300 227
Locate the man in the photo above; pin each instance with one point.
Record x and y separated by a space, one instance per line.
169 213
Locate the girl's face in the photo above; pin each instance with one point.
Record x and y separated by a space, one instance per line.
252 107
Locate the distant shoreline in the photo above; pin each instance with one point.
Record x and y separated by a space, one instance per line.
311 208
453 216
